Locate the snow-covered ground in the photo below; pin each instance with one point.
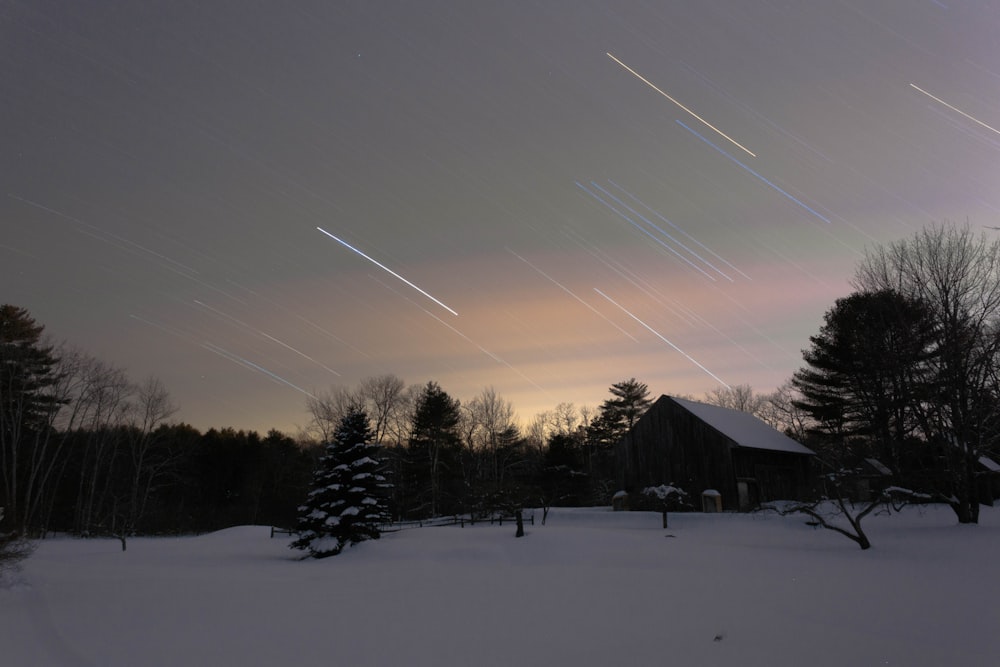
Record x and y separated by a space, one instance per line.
590 588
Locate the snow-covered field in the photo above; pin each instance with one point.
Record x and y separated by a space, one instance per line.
591 587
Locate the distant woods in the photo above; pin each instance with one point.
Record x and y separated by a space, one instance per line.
86 450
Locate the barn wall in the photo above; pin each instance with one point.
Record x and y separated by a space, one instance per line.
773 475
643 454
670 445
703 460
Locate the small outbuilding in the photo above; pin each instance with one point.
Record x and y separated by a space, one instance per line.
988 480
697 446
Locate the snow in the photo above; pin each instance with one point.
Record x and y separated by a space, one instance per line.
742 428
364 461
906 493
879 467
663 491
591 587
989 464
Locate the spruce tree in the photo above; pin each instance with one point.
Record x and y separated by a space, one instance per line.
348 501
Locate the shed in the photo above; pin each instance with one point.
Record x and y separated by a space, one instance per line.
697 446
988 480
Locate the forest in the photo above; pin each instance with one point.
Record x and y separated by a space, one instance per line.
87 451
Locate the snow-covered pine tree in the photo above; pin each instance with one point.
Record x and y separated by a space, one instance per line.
348 500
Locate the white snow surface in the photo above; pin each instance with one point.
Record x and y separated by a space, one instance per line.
743 428
989 464
592 587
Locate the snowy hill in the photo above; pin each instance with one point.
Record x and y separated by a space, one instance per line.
591 587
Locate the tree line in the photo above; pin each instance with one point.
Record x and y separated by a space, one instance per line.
905 371
448 457
85 450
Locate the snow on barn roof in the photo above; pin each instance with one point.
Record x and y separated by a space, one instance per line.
879 467
742 428
989 464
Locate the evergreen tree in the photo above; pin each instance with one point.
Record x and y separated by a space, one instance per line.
348 500
956 275
617 415
433 470
28 405
868 377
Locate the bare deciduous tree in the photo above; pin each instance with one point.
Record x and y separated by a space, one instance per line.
566 418
327 408
384 398
150 408
740 397
98 411
537 431
492 423
956 275
780 412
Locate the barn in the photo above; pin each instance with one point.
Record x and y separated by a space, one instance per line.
699 447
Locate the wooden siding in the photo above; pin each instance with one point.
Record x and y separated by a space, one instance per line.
670 445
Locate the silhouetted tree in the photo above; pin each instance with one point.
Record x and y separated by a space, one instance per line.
867 377
615 417
618 414
956 276
432 469
564 480
740 397
29 402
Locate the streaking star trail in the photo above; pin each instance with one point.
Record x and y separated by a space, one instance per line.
246 363
760 178
664 339
659 229
386 269
570 292
955 109
705 122
222 352
641 229
461 335
672 225
183 184
269 337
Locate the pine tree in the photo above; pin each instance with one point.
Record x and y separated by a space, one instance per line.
619 414
348 501
432 467
28 405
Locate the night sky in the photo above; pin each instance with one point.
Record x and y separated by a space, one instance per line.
255 201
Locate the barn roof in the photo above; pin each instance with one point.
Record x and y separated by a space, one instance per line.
742 428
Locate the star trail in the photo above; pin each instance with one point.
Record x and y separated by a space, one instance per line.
541 198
